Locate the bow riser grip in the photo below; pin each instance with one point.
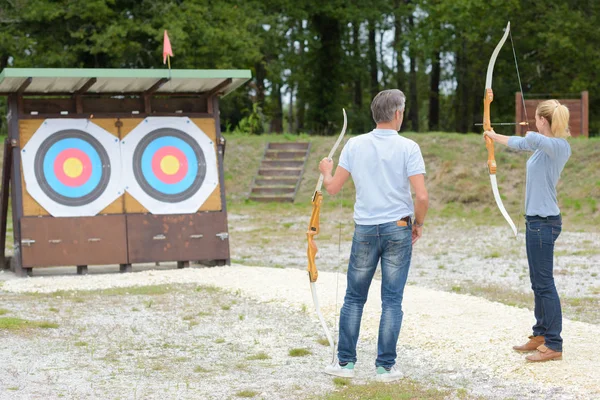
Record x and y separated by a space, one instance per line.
489 144
311 252
313 230
487 101
487 125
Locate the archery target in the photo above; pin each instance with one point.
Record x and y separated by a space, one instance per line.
71 167
170 165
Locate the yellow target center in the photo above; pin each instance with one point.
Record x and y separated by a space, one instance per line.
73 167
169 165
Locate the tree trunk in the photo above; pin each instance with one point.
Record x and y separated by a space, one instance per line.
462 90
434 93
277 119
399 47
3 62
291 111
358 95
326 82
413 110
300 114
261 74
372 54
301 91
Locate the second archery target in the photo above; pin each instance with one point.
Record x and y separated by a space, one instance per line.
72 167
170 165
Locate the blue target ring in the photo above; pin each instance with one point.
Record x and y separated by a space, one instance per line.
53 181
72 140
154 181
157 188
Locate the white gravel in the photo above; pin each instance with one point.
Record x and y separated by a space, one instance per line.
447 340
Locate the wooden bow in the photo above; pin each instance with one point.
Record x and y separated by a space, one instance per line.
313 230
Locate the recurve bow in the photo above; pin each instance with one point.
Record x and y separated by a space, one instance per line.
313 230
487 125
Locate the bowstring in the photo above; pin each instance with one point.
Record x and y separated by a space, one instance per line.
523 187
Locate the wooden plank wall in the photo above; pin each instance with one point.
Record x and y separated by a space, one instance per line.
578 109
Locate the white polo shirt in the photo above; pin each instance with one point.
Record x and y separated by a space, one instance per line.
380 163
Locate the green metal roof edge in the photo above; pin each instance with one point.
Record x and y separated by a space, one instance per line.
124 73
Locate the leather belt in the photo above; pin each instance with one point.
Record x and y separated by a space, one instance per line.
403 222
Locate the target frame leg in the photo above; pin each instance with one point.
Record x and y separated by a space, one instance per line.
183 264
82 270
125 268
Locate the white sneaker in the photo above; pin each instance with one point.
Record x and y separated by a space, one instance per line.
388 375
335 369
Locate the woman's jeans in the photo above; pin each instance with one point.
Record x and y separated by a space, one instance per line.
393 245
542 232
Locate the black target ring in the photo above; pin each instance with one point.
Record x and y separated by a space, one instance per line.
145 159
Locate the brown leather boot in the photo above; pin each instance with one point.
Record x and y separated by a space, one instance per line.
544 354
532 345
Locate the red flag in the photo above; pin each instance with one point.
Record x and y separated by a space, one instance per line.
167 51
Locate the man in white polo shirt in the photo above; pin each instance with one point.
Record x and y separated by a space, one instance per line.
384 166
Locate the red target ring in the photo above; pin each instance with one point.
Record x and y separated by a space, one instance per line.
163 164
68 155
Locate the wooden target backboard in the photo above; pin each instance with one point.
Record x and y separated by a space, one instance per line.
578 109
116 167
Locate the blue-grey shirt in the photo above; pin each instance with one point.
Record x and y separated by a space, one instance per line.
380 163
543 170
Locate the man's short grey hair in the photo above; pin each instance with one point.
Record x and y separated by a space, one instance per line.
386 103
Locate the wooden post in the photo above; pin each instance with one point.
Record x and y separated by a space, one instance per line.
16 188
585 113
4 193
518 112
220 157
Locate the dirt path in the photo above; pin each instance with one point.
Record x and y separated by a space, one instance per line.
457 340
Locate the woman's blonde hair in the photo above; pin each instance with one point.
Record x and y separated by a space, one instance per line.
557 116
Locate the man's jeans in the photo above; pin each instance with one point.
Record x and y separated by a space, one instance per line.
393 245
542 232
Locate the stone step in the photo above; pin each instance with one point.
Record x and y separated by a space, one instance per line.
289 146
270 199
282 164
284 154
280 172
275 181
273 190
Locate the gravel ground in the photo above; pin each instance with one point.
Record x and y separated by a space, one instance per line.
190 340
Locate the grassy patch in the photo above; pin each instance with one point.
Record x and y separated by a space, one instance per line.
18 324
341 382
247 394
323 341
259 356
75 295
201 370
299 352
80 344
208 289
584 309
137 290
3 311
242 367
494 254
400 390
459 187
497 293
